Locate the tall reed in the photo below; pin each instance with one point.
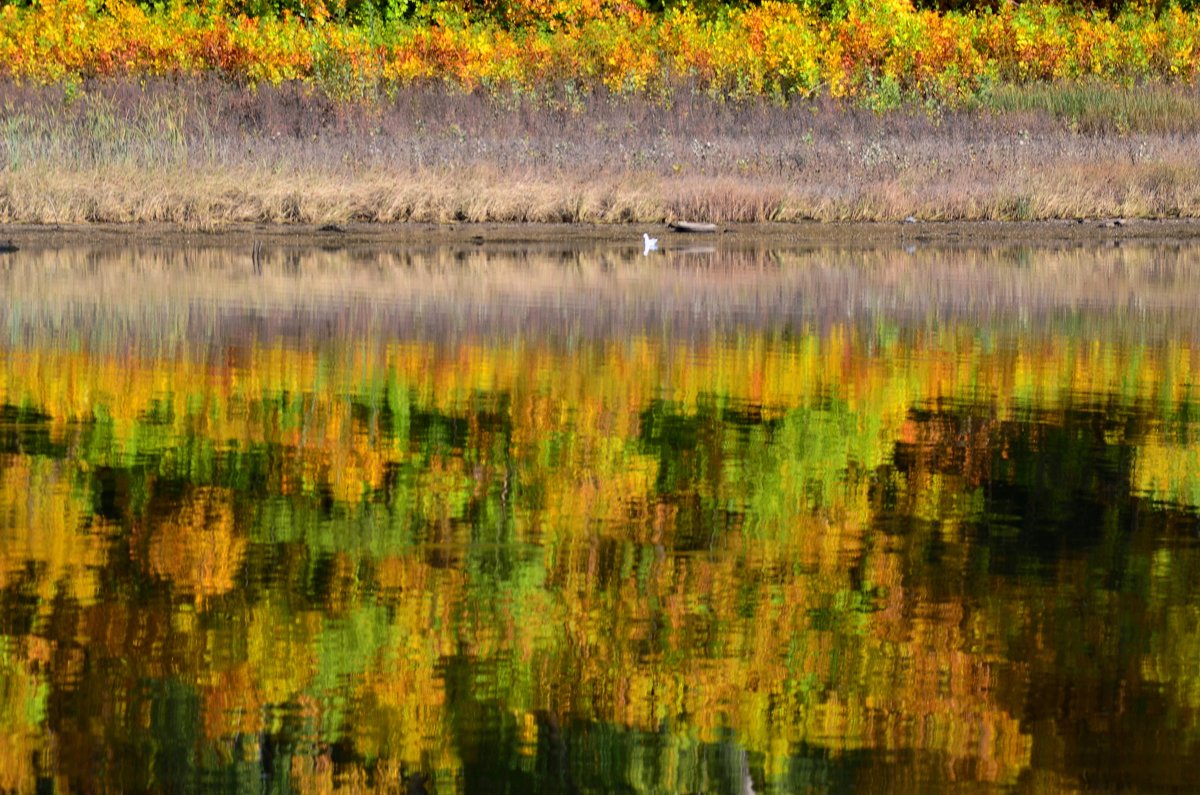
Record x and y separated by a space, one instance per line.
206 153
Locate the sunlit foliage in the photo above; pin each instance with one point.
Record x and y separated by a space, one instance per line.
881 52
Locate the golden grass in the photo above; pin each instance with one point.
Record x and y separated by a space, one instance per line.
210 200
205 155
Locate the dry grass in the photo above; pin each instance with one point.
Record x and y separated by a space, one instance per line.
204 153
1098 108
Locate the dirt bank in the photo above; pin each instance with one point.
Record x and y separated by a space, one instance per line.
766 235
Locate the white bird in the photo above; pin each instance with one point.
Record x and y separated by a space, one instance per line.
648 244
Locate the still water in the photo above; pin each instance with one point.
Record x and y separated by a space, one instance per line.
570 519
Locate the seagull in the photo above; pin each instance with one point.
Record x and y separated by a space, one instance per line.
648 244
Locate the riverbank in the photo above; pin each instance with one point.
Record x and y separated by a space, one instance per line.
533 236
209 155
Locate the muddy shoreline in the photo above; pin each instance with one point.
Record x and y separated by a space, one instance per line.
782 235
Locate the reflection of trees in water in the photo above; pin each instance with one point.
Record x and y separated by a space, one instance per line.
1040 530
846 557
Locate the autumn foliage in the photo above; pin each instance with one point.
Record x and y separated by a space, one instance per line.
886 50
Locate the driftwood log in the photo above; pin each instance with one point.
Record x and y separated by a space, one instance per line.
691 226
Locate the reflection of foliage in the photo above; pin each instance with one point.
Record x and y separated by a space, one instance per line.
198 549
1169 472
22 710
45 522
445 565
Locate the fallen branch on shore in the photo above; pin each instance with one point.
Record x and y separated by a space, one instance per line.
691 226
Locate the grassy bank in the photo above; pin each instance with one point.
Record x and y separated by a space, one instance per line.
601 111
205 152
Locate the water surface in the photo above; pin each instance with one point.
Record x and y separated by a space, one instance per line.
570 519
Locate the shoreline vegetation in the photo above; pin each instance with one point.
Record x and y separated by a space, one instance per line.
595 113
